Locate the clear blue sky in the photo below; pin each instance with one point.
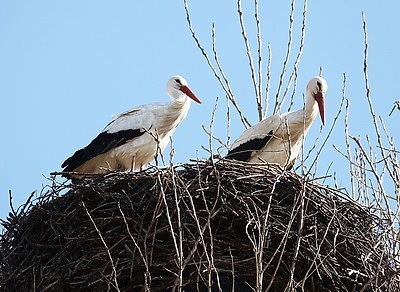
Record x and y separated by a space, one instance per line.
67 66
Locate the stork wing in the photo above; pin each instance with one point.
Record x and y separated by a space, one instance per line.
126 126
244 150
101 144
254 138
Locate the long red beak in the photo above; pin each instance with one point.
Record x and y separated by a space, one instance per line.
319 97
189 93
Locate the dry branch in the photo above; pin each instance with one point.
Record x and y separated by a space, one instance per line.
221 77
256 83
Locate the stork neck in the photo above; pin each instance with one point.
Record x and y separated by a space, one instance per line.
181 101
174 114
310 108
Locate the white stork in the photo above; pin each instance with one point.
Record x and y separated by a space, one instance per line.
279 138
135 137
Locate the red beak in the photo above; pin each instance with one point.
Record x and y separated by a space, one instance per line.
319 97
189 93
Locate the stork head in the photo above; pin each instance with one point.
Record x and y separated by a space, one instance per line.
177 88
316 89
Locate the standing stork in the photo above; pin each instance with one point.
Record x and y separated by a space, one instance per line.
279 138
135 137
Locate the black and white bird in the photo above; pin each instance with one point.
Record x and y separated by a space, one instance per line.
134 138
279 138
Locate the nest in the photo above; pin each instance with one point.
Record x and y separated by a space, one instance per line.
227 226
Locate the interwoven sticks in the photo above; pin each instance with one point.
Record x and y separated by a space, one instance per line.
223 224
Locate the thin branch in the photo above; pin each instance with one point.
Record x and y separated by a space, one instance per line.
180 230
268 86
297 61
147 278
285 62
346 135
249 55
223 81
259 51
228 124
396 104
393 158
368 94
211 128
230 94
114 273
302 214
168 216
11 203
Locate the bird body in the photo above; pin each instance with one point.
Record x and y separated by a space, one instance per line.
279 138
134 138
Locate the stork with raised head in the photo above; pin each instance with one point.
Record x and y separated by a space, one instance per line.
134 138
279 138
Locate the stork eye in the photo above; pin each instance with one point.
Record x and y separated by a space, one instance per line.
319 85
178 81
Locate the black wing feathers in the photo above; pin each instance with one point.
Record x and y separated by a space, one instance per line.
243 151
101 144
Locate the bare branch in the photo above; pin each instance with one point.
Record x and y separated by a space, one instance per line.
230 94
114 274
285 62
297 61
251 62
228 123
259 51
223 81
396 104
268 86
147 277
368 95
346 134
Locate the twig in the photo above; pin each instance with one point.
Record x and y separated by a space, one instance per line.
11 203
251 62
147 278
348 148
207 131
268 86
229 92
259 54
396 104
180 256
373 170
368 95
211 128
114 274
302 211
285 62
225 86
177 249
297 61
228 124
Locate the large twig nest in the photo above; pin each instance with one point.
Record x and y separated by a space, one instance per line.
225 225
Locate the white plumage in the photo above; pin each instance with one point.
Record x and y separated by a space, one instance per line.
279 138
134 138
